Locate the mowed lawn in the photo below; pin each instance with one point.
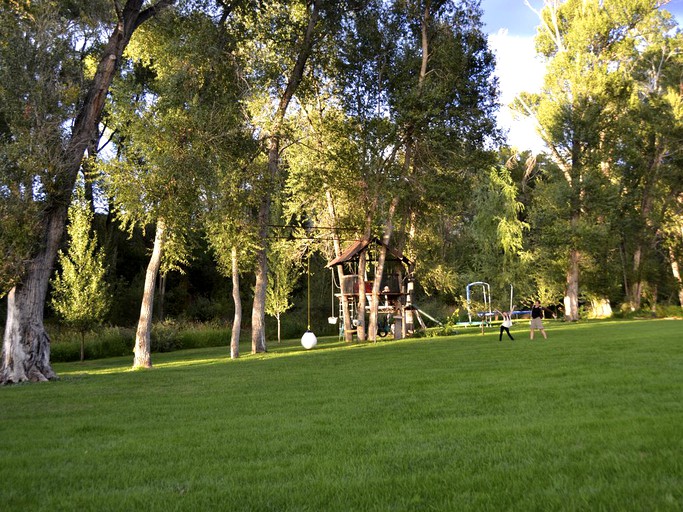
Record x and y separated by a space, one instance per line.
591 419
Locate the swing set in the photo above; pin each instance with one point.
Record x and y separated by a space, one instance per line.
487 312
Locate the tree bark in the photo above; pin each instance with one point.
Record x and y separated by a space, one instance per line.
237 300
26 344
162 298
143 353
361 331
574 177
642 243
571 299
637 287
258 310
379 270
675 270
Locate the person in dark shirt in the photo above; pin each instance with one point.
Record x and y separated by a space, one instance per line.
537 319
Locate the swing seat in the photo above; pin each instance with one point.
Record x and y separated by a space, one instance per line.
332 320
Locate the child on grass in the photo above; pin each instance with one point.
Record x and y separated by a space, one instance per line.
505 326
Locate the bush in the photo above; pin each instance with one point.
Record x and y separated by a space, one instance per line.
661 311
65 351
431 332
104 342
204 336
669 311
165 337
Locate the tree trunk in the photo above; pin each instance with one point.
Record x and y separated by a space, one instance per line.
237 299
571 299
574 177
675 270
143 357
258 310
26 344
624 269
637 281
379 270
361 331
162 297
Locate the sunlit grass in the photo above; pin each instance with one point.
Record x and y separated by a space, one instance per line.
588 420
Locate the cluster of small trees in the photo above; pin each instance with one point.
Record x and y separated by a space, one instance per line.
255 122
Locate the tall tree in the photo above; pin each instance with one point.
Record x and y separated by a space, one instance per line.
232 236
26 344
281 69
651 133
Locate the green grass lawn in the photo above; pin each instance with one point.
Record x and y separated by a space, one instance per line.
591 419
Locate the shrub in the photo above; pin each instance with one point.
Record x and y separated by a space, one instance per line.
101 343
204 336
669 311
661 311
165 337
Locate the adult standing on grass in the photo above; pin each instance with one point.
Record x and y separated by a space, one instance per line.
505 326
537 319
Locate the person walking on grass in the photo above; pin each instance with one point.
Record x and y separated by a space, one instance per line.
505 326
537 319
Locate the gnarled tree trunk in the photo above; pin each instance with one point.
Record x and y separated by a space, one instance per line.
26 345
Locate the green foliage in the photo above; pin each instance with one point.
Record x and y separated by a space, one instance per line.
40 78
384 134
19 220
181 127
164 337
496 225
99 343
80 294
446 423
284 267
660 311
106 342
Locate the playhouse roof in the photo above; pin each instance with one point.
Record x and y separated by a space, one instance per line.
352 253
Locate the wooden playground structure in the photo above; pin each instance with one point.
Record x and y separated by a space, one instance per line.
356 271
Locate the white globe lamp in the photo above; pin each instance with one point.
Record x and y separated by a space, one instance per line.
309 340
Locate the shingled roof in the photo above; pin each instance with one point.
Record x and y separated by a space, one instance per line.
352 253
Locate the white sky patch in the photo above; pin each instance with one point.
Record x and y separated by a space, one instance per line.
518 70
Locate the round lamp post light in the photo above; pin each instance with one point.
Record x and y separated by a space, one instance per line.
309 340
